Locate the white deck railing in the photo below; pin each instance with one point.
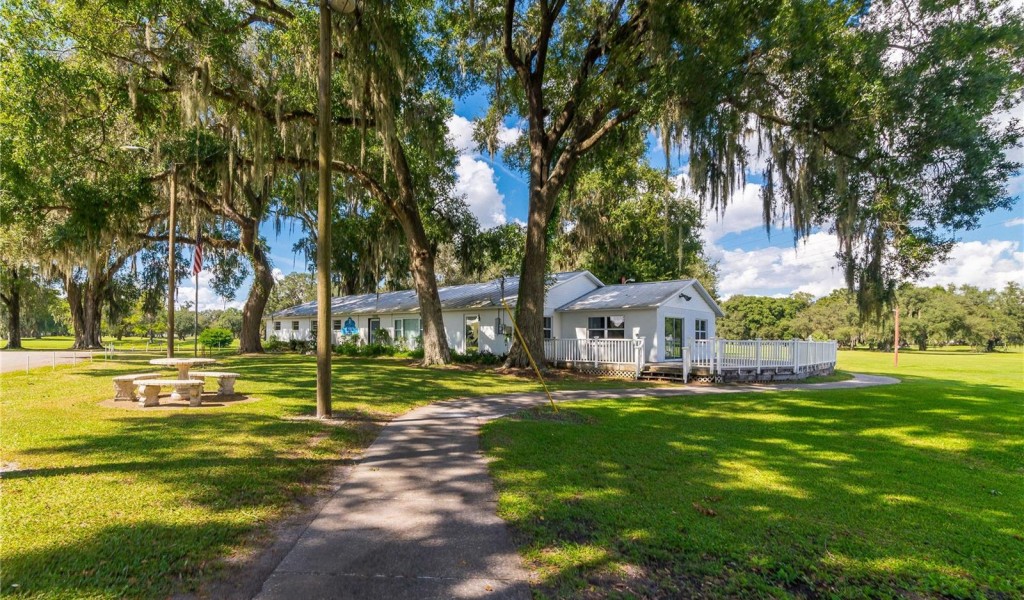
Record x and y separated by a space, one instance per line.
720 355
596 352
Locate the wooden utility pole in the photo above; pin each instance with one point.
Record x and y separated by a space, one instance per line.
323 220
325 206
896 344
170 261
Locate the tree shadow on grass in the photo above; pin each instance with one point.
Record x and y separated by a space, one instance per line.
143 559
874 491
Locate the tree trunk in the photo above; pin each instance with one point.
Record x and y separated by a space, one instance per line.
12 301
406 209
530 303
86 302
435 341
249 339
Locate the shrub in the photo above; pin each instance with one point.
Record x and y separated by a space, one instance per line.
381 337
478 358
298 346
273 345
215 337
378 349
347 348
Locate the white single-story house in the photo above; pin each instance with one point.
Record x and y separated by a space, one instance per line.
666 315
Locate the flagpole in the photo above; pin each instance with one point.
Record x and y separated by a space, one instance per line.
197 268
195 343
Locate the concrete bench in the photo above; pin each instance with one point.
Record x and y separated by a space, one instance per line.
186 388
124 385
225 381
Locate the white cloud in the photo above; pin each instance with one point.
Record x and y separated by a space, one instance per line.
1015 222
475 179
207 297
460 134
278 274
809 267
743 212
812 267
508 135
990 264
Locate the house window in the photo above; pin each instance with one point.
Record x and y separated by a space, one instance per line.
406 332
472 333
277 326
313 326
337 325
295 325
547 328
700 329
613 327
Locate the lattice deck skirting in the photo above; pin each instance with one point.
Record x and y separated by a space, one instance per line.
767 375
620 370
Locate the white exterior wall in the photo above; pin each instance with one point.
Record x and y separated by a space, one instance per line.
286 332
640 323
648 323
689 311
491 338
566 292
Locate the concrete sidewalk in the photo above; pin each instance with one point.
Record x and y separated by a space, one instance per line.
416 516
23 360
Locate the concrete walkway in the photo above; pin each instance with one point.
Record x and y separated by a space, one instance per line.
416 517
22 360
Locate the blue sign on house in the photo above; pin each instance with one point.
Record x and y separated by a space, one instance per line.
350 327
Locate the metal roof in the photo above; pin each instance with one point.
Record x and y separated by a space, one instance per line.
488 294
471 295
637 295
627 295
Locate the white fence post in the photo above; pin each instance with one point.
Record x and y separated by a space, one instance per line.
757 355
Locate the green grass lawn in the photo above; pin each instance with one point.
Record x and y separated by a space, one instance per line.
110 503
913 490
64 342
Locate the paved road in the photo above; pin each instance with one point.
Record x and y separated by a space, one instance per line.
416 516
19 360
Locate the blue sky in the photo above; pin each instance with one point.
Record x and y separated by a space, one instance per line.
750 261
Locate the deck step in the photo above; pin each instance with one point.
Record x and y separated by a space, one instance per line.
663 372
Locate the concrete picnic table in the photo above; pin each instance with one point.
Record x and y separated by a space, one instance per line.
183 365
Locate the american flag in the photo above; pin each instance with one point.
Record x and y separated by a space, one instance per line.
197 257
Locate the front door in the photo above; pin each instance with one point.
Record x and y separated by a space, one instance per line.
374 326
472 333
673 338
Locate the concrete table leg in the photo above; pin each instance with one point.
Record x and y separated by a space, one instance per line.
195 395
151 395
124 390
182 374
182 392
226 386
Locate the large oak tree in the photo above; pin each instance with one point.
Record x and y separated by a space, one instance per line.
874 120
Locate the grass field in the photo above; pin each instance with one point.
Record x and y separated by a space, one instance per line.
64 342
913 490
106 502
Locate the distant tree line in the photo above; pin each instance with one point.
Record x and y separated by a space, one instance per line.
929 317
